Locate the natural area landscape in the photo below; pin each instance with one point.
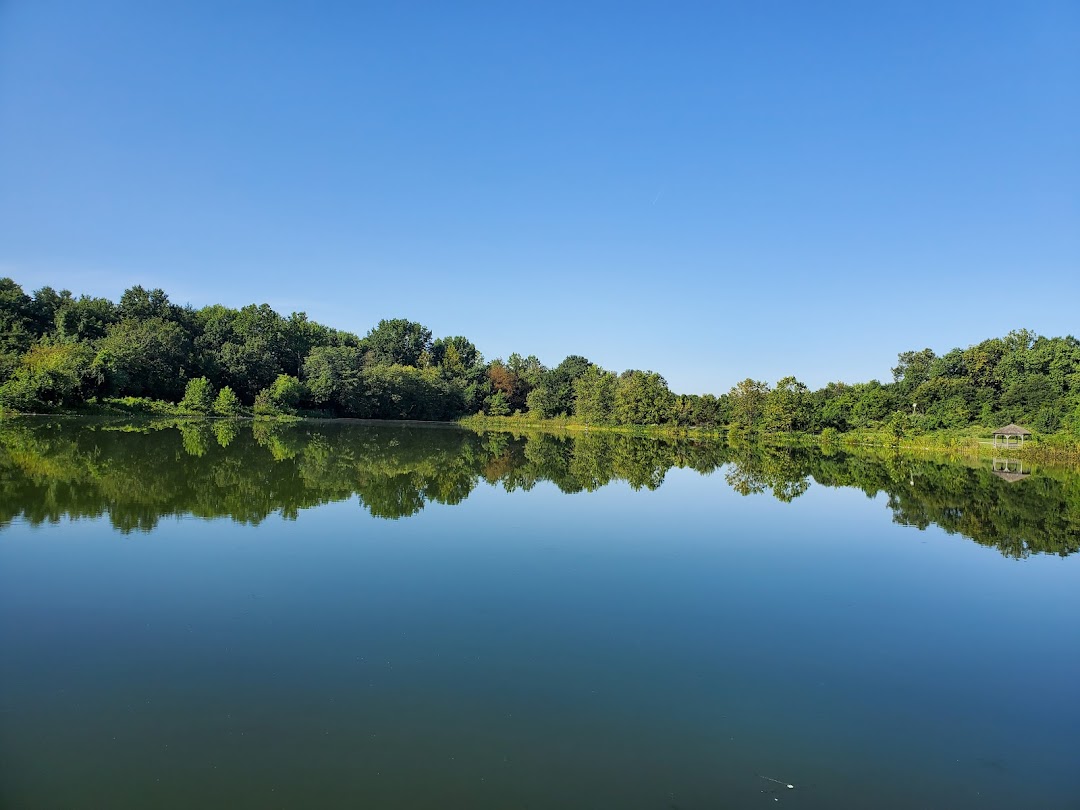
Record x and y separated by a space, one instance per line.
146 354
493 406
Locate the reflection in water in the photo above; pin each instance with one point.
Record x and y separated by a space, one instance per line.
1010 469
136 474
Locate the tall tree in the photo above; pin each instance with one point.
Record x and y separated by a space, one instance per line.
786 407
85 318
747 403
557 386
398 342
141 304
913 369
456 356
299 336
47 303
508 385
642 398
16 319
332 377
144 358
594 396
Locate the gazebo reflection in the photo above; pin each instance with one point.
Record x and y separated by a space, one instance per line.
1010 469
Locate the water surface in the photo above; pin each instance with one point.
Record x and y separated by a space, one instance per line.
345 615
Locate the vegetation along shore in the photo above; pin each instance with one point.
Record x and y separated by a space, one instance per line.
61 352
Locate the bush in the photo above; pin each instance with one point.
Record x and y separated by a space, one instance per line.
227 403
285 393
496 405
48 376
264 405
1047 420
142 405
198 396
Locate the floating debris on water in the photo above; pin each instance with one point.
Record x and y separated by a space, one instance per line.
785 784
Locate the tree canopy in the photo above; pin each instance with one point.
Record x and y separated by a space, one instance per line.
59 351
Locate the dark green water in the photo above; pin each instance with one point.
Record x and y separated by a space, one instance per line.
346 615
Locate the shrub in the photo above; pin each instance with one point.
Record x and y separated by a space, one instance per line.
285 392
227 403
198 396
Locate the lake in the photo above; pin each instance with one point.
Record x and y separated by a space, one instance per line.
333 614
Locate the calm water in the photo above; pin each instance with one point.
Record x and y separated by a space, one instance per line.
346 615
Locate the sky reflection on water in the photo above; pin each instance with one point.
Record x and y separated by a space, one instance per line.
509 645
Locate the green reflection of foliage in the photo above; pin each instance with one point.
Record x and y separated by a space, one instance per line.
138 473
282 444
196 437
225 431
757 469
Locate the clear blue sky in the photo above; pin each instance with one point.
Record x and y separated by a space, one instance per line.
711 191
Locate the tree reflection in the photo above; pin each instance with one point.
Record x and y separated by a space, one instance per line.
135 474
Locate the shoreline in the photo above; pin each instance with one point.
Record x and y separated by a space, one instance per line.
1054 448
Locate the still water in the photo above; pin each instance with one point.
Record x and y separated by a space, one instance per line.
347 615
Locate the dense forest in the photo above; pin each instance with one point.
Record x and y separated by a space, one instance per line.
59 351
137 474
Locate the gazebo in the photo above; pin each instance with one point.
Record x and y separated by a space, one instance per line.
1009 435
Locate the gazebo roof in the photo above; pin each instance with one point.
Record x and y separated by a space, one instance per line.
1012 430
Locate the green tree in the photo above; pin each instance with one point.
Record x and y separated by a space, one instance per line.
542 403
706 411
198 396
85 318
333 377
899 426
397 342
786 407
642 398
258 353
262 406
558 383
227 403
456 356
913 369
144 358
496 404
872 403
140 304
747 404
594 396
406 392
16 321
47 303
300 335
285 393
49 375
247 348
682 410
527 369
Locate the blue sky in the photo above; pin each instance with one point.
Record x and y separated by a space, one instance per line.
711 191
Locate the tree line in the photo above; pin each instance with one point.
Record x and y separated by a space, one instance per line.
60 351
